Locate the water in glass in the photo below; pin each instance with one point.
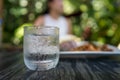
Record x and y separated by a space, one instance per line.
41 51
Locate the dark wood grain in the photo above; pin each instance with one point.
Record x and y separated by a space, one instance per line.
67 69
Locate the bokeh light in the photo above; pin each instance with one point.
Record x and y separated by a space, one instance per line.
23 3
68 7
83 8
23 11
38 6
31 16
98 4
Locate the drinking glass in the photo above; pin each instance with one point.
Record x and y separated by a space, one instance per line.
41 47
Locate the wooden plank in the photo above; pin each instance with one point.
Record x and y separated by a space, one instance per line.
67 69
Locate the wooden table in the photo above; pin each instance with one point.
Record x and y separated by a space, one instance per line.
12 68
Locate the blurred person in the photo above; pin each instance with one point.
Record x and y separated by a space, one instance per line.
54 17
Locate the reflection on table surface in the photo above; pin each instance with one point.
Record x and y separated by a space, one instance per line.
103 68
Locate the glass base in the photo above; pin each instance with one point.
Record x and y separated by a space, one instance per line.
41 65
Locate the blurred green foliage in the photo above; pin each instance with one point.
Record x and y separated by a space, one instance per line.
103 16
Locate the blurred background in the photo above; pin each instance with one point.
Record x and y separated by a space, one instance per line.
102 16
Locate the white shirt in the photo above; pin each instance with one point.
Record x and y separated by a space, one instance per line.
61 23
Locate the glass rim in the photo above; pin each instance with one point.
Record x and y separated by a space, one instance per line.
41 27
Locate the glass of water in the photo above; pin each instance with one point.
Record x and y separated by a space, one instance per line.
41 47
